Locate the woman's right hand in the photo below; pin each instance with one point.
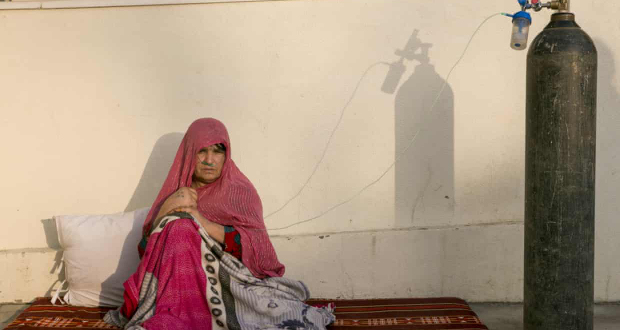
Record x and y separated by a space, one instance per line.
182 198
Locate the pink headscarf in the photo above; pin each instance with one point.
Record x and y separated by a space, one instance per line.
231 200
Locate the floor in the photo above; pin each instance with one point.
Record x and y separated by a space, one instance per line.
510 316
495 316
8 312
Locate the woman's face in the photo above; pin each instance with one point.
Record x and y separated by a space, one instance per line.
209 164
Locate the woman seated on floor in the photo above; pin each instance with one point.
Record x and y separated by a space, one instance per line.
185 279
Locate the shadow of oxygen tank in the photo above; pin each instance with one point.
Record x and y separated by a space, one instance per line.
424 174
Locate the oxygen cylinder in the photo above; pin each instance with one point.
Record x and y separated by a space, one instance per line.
559 178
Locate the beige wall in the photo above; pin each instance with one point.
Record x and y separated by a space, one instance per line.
94 103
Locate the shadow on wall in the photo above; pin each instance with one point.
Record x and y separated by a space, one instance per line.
155 171
51 238
126 267
151 181
424 178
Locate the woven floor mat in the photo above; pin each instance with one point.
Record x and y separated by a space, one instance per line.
43 315
376 314
406 314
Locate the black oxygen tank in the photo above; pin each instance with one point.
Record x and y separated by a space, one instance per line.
559 178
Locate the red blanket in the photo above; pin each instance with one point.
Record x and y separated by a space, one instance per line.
186 281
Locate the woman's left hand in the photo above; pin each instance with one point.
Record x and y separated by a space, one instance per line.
216 231
193 210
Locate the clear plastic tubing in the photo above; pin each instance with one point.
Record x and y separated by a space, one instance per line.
520 29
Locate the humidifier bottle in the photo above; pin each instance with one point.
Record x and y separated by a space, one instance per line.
520 27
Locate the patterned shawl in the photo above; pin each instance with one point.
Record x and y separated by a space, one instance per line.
231 200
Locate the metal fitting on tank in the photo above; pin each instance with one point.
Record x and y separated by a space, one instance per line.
561 5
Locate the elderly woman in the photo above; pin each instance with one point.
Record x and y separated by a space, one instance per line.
206 218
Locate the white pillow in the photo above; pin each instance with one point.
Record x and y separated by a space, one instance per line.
100 253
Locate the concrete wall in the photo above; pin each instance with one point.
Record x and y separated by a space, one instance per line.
95 101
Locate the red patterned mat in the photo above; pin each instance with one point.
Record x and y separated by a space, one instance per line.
43 315
376 314
403 314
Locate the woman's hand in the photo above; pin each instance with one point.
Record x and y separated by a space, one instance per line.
182 198
216 231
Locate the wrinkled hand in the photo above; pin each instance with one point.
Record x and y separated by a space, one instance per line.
214 230
193 210
185 197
